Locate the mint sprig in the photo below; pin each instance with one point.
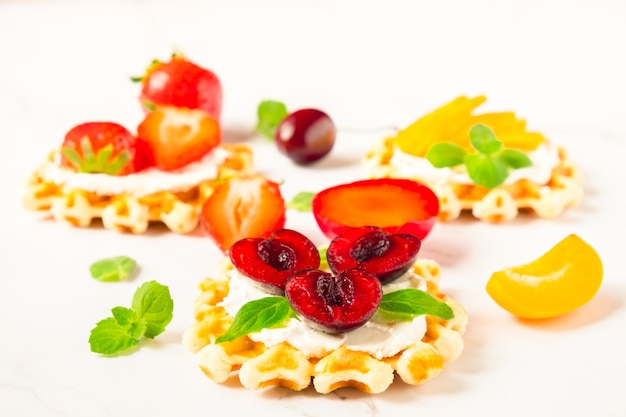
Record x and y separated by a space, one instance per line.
405 304
269 115
257 315
151 311
489 167
302 201
113 269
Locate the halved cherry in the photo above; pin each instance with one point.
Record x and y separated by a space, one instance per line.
269 262
334 303
393 204
371 248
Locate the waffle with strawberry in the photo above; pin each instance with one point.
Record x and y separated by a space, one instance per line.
162 174
493 179
274 316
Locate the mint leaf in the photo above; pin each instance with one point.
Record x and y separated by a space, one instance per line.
486 171
483 139
257 315
514 158
110 337
154 305
301 201
446 154
405 304
128 319
112 269
270 113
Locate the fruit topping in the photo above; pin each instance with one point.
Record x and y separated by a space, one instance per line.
243 207
102 147
272 260
452 121
181 83
175 137
305 135
561 280
334 303
395 205
370 248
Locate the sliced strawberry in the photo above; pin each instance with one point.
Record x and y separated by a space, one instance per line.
181 83
102 147
175 137
250 207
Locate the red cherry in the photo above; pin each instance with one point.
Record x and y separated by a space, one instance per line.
305 135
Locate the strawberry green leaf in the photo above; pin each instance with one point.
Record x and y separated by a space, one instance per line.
112 269
486 171
302 201
257 315
270 113
73 157
446 154
408 303
110 337
153 304
150 106
514 158
483 139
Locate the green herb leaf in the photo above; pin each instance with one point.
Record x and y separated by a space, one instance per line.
270 113
110 337
153 304
483 139
128 319
514 158
446 154
486 171
301 201
405 304
323 260
257 315
112 269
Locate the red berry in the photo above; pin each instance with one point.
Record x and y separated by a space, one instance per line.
334 303
270 262
383 254
305 135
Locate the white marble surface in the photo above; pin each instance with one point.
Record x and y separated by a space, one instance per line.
371 65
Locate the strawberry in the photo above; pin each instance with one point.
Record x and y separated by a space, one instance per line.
181 83
102 147
245 207
175 137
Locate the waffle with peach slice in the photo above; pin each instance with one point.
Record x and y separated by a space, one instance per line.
270 357
554 184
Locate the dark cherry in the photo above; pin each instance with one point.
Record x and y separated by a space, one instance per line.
270 262
305 135
371 248
334 303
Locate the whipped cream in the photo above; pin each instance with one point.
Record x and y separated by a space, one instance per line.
544 159
377 337
148 181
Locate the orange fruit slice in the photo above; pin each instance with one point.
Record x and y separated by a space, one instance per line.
561 280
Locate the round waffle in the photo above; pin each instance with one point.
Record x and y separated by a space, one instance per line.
178 209
258 365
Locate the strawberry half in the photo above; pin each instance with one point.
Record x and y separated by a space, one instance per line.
175 137
102 147
246 207
181 83
269 262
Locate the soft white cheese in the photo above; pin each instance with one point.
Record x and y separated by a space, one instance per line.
377 337
544 159
148 181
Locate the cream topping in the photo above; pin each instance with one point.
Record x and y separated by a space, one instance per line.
377 337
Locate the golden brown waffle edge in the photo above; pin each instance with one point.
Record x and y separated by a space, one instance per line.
259 366
177 210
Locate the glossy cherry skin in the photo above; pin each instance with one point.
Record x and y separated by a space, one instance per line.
305 135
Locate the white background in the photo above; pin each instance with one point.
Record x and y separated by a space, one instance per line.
371 65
